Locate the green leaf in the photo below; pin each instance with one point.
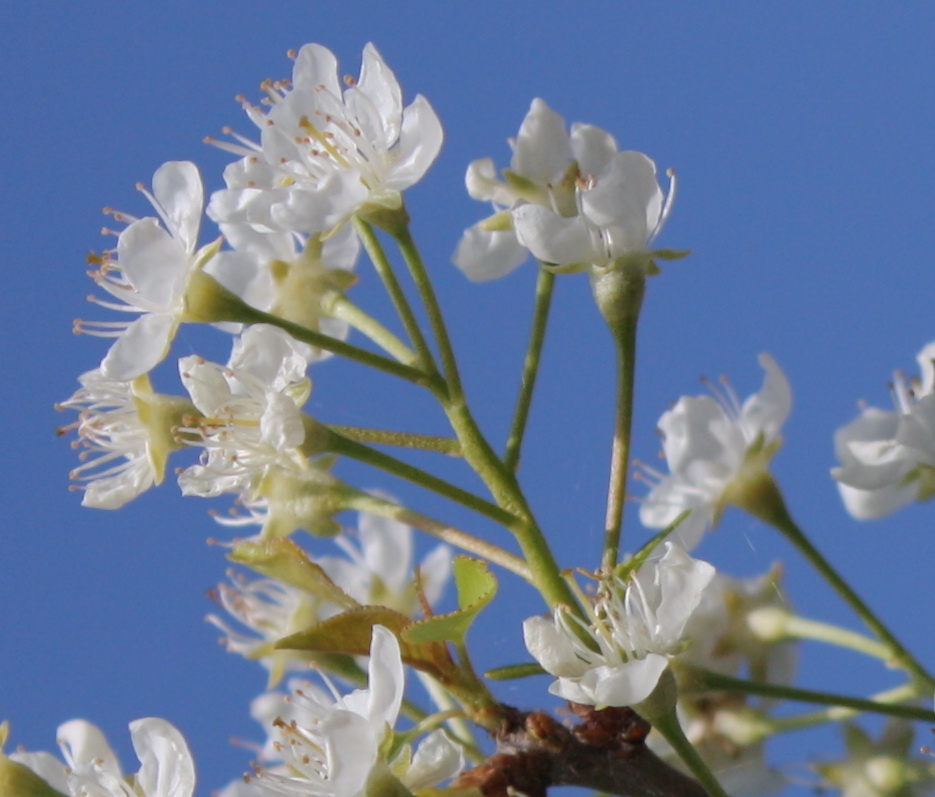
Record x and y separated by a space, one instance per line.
476 588
351 632
284 560
512 671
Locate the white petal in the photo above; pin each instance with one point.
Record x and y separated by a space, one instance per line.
482 183
552 648
113 492
269 355
436 759
351 749
485 255
387 548
592 147
419 144
141 347
167 769
552 238
386 681
542 149
177 186
379 83
767 410
628 199
205 384
926 360
281 425
315 66
337 195
630 683
46 766
872 504
154 262
82 742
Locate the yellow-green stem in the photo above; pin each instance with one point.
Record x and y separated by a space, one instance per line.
769 506
659 710
477 451
540 317
403 309
702 680
619 295
340 307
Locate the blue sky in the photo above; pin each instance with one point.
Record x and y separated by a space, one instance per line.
802 138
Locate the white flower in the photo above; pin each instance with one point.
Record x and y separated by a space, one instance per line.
378 571
325 153
546 164
888 458
288 276
152 273
714 446
334 746
93 770
621 210
633 629
271 610
251 407
126 432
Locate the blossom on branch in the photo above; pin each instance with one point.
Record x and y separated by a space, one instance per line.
888 457
634 627
325 153
718 451
157 273
620 211
334 746
125 433
547 163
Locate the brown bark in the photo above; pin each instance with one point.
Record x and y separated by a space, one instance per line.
606 751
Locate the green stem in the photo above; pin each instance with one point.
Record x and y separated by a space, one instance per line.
403 309
468 542
795 722
659 710
619 295
803 628
477 451
344 446
388 437
339 347
509 495
340 307
702 680
540 318
410 252
767 504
